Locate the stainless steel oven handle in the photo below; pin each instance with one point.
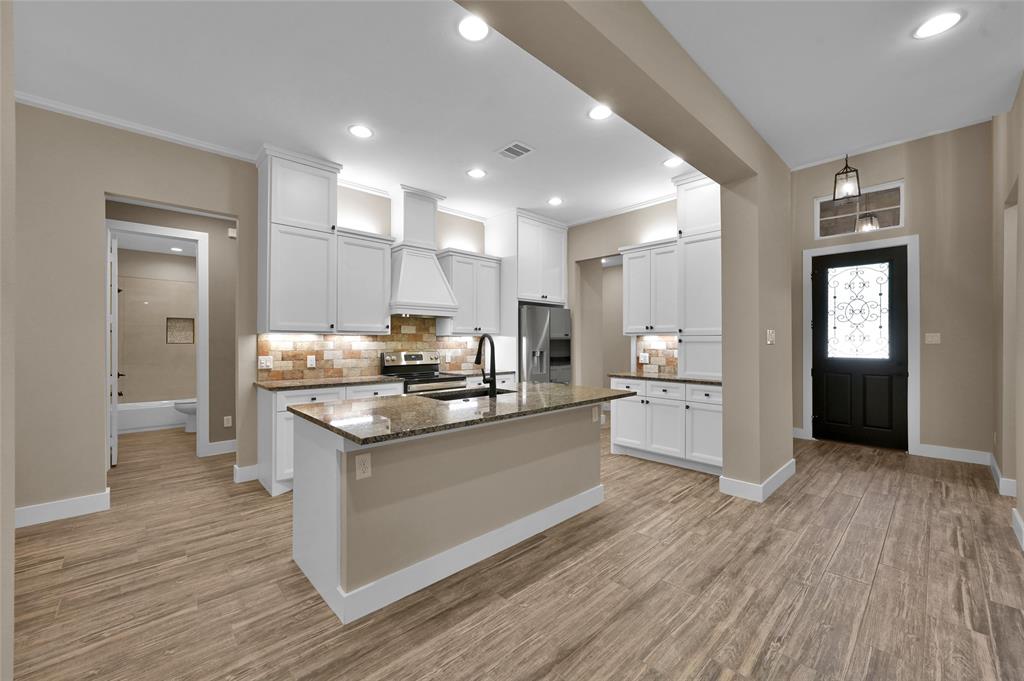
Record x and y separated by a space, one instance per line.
440 385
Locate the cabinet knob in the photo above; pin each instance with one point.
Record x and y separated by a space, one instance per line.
687 406
376 393
387 326
334 227
332 326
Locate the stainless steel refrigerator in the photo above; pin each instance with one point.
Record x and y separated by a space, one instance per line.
545 344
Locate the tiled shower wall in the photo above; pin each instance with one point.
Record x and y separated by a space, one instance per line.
664 354
338 356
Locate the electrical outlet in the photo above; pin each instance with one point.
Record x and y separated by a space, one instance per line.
311 361
932 338
363 468
265 362
645 357
769 336
227 421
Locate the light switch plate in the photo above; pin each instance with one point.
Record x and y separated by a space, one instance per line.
227 421
363 466
769 336
932 338
266 362
645 357
311 361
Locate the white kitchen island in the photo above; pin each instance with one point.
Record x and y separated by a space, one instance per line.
450 483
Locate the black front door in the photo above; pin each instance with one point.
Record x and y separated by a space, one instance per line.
859 329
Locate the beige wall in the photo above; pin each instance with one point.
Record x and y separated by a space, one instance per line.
500 473
598 343
454 231
615 344
7 299
364 211
84 162
223 287
948 181
152 288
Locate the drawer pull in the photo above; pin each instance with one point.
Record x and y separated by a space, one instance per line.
707 394
376 393
312 399
664 390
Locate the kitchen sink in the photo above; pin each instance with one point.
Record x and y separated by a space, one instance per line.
461 394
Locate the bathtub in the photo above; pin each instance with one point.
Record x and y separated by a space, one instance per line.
134 417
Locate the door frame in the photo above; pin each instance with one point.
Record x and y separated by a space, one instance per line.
913 332
203 445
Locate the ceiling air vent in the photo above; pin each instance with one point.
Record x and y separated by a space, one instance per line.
515 150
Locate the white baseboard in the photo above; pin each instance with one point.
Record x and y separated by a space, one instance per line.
216 448
246 473
757 492
802 434
62 508
952 454
386 590
1018 527
1007 486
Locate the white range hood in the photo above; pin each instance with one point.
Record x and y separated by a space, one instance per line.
418 285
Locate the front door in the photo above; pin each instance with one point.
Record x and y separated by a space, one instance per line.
859 329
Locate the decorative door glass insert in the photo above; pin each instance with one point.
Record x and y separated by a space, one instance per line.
858 311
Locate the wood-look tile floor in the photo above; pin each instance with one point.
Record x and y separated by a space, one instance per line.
866 565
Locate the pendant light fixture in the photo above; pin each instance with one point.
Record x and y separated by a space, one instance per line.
847 184
868 222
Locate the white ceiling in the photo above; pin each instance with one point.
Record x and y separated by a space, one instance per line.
821 79
234 75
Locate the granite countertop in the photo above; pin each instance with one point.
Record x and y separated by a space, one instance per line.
381 419
472 372
641 376
309 383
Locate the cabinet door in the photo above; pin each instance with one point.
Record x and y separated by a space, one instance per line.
629 423
463 282
284 445
488 300
700 357
701 271
553 264
665 289
704 433
666 422
303 196
303 279
699 206
636 292
529 259
364 285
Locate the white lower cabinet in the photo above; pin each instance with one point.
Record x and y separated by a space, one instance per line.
275 443
677 422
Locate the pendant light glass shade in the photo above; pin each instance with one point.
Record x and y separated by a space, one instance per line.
847 183
868 222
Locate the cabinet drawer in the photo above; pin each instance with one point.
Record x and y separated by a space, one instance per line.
287 398
358 392
506 381
474 381
711 394
637 386
669 391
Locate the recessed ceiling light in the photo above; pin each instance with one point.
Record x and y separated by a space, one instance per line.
600 112
940 23
555 201
476 173
175 249
673 162
360 131
473 28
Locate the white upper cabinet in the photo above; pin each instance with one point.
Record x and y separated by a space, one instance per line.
302 279
650 288
700 302
475 281
541 250
364 283
303 195
698 205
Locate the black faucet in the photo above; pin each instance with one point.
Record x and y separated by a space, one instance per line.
492 382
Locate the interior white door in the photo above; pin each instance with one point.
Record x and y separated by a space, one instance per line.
704 433
665 289
701 271
636 292
529 265
552 264
112 364
303 196
488 300
303 279
464 286
364 285
666 422
629 423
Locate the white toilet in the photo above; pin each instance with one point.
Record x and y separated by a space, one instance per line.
188 408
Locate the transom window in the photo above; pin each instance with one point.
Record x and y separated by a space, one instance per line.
852 216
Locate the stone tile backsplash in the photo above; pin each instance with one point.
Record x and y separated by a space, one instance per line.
344 355
664 354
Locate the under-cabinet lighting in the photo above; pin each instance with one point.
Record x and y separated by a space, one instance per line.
175 249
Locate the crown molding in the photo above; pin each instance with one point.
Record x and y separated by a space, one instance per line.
688 176
365 188
422 192
461 213
122 124
627 209
296 157
541 218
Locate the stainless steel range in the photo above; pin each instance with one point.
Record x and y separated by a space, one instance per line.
420 369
